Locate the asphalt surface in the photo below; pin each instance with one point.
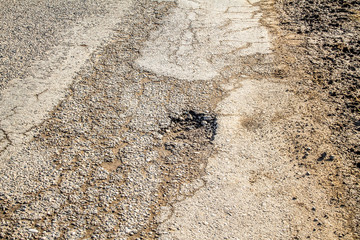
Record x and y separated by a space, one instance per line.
30 28
152 120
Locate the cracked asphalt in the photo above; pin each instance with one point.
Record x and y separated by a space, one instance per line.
153 120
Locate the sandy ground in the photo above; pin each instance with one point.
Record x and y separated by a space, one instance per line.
170 120
319 43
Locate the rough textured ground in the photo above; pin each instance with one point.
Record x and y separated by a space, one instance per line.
189 119
116 150
326 56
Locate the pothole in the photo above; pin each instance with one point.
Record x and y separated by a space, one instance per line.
186 145
192 120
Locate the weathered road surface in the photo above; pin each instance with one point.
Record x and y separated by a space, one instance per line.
152 119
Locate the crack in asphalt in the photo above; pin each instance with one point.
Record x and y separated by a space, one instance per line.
5 138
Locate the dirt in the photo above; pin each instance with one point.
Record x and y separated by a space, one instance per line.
318 48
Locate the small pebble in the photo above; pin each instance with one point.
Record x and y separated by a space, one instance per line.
322 157
33 230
